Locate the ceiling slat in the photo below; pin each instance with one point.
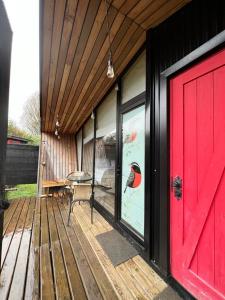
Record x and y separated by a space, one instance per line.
66 36
127 6
120 52
48 15
86 28
95 52
75 51
86 54
105 86
93 69
164 12
150 10
77 27
139 8
56 39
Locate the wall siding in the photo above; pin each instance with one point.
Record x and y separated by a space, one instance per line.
171 41
21 164
59 157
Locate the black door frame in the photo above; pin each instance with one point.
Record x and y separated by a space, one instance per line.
124 108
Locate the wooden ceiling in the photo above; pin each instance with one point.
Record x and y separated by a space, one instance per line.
74 49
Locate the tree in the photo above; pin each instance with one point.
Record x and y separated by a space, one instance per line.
31 115
13 129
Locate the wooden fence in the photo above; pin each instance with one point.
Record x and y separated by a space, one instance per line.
21 164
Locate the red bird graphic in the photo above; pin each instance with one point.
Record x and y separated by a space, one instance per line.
134 179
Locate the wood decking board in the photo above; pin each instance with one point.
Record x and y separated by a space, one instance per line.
9 215
46 259
32 289
20 272
10 260
9 232
46 273
60 275
89 282
74 279
73 37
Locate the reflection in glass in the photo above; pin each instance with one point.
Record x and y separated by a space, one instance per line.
79 148
105 153
88 139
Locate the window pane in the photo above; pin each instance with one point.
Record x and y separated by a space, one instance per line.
79 149
133 166
88 136
105 153
134 81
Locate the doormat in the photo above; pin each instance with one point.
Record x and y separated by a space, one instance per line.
116 247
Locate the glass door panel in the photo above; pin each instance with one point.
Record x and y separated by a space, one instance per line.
133 166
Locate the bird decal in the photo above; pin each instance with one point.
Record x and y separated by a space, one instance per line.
134 178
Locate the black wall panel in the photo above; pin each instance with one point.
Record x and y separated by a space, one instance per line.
21 164
5 57
171 41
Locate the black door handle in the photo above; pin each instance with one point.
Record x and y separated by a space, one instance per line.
177 186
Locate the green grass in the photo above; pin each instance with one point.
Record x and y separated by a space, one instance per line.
23 190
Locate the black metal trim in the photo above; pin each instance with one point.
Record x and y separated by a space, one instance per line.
133 103
117 163
82 147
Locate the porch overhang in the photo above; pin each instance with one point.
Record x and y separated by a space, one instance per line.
74 48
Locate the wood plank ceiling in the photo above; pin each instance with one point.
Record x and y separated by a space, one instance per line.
74 49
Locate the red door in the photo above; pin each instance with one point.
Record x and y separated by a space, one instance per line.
197 98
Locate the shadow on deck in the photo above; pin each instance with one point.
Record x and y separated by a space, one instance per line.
42 258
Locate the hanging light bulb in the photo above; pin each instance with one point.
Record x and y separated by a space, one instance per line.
57 122
110 70
58 137
56 132
92 115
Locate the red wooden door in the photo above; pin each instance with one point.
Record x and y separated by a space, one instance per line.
197 230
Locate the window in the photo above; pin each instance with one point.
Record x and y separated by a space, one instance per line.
88 137
134 81
105 153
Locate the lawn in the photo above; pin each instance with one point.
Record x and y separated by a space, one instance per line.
23 190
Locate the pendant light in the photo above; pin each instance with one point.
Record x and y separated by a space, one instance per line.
57 125
110 70
92 115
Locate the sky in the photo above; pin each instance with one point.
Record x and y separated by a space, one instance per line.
24 80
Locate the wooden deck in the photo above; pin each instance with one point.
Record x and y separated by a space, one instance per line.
42 258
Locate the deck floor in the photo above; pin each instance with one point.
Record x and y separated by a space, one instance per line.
43 258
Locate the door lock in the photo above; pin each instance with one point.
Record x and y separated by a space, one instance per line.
177 186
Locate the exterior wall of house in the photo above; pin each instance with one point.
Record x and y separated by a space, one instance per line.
173 40
57 157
